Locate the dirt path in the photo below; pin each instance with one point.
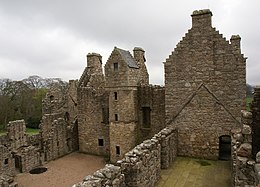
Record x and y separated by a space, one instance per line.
63 172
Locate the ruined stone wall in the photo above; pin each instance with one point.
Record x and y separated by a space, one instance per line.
93 107
256 121
242 163
59 127
141 166
18 151
204 87
56 139
139 55
16 134
151 98
93 121
7 165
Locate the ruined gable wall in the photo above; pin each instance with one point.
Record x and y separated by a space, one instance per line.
204 57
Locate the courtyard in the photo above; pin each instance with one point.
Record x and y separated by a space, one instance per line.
190 172
63 172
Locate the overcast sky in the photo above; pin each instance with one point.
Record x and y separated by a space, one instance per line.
51 38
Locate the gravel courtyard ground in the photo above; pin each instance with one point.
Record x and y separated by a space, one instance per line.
63 172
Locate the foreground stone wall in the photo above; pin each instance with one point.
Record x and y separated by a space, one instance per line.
141 166
242 162
256 121
245 145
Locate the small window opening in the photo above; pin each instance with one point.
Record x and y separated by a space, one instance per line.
100 142
67 116
146 117
116 117
6 161
115 93
51 98
115 66
118 150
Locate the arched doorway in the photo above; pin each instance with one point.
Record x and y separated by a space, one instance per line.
225 147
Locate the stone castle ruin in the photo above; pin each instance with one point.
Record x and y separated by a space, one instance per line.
140 127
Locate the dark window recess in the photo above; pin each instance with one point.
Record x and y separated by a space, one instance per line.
118 150
116 117
105 115
115 93
6 161
100 142
115 66
51 98
67 116
146 117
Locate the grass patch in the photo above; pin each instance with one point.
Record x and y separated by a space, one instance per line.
203 163
31 131
248 103
2 133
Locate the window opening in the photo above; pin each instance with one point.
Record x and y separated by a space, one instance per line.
118 150
100 142
115 66
115 94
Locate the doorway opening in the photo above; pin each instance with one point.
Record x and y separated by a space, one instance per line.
225 147
18 163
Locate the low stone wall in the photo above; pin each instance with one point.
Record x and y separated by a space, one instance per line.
7 181
141 166
110 175
242 163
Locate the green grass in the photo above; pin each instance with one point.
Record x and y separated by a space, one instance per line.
2 133
248 103
31 131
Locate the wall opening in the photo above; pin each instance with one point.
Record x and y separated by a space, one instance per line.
115 94
224 147
18 163
6 161
100 142
115 66
146 117
51 98
118 150
67 116
116 117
